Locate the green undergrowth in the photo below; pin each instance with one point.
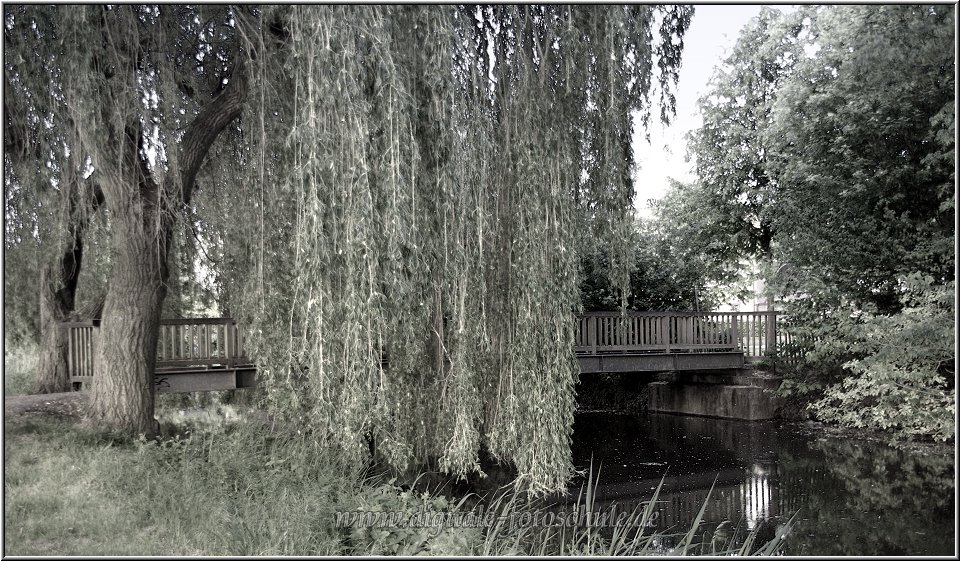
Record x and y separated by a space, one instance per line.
242 489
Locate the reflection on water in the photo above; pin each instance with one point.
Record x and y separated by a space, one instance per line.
854 497
756 496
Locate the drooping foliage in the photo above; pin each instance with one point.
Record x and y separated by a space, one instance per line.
427 185
132 97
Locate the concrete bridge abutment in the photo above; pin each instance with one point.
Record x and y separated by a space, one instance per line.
743 394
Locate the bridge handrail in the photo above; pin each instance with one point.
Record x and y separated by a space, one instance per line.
632 313
755 333
212 341
191 321
181 342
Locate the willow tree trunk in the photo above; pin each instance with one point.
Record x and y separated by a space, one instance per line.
126 349
144 213
55 305
123 387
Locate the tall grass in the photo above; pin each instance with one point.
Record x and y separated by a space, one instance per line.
20 363
590 535
239 489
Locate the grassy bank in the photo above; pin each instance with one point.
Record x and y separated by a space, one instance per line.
238 489
71 491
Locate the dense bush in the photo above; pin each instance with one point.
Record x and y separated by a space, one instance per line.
899 372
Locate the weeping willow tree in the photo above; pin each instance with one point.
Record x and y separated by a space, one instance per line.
48 202
426 182
127 101
411 190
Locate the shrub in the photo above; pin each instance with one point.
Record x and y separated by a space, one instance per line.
901 376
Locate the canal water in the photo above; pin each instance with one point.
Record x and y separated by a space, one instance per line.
851 496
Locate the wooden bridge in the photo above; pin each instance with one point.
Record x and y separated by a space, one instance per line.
199 354
204 354
677 341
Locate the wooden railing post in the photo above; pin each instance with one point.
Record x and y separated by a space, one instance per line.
735 333
666 319
770 345
229 348
592 333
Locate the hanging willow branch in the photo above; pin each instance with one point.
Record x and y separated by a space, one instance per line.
429 178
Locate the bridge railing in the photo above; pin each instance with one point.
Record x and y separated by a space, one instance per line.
195 342
754 333
199 341
81 344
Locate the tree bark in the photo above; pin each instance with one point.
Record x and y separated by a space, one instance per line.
123 387
58 285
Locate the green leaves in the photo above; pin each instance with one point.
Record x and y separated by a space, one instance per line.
666 274
902 377
732 160
824 147
827 150
850 136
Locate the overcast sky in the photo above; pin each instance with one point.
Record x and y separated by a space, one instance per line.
710 38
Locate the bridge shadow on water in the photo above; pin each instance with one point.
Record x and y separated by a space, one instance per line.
854 497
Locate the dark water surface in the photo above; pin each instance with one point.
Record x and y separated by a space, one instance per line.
854 497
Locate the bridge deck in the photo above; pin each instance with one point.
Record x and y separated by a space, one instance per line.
674 341
663 362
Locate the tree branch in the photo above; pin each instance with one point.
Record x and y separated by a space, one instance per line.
211 121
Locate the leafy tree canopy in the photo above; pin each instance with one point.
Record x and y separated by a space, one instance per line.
862 143
665 275
732 162
828 147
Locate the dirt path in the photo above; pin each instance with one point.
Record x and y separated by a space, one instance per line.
67 403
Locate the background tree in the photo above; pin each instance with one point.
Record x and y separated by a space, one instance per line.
736 188
825 145
848 155
860 143
869 198
666 274
699 236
